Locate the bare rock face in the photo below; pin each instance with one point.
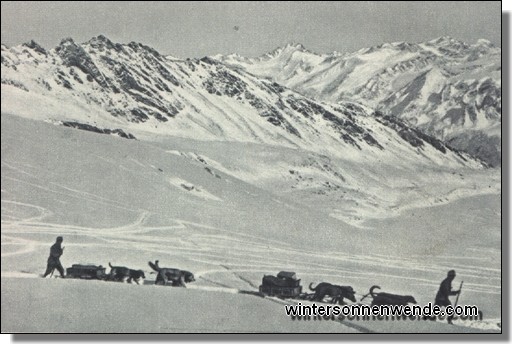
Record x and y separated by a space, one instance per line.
73 55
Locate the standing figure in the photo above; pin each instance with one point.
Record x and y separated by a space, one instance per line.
445 290
54 259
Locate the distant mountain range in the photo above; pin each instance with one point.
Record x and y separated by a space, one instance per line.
358 106
444 87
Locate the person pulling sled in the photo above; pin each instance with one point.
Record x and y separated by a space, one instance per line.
54 259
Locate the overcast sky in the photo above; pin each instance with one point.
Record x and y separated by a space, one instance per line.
197 29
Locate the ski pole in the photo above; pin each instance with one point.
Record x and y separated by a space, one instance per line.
457 299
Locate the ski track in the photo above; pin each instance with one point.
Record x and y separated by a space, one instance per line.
69 195
227 253
88 195
137 162
228 250
221 259
43 212
19 170
28 246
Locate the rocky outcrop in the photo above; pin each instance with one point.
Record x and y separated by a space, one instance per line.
88 127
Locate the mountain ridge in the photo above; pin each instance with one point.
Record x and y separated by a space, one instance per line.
133 87
444 87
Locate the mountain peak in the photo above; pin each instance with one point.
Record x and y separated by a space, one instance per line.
442 39
35 46
289 48
295 46
446 41
100 38
484 43
67 41
100 41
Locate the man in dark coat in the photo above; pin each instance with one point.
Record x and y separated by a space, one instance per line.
445 290
54 259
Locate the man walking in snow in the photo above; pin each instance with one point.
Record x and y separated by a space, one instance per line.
54 259
445 290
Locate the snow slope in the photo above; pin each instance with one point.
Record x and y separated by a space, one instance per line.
208 207
110 307
444 87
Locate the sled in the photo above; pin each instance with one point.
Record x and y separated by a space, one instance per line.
86 271
284 285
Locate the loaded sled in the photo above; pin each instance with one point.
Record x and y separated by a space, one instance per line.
285 285
86 271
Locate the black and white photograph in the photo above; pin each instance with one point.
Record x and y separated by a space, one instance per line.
252 167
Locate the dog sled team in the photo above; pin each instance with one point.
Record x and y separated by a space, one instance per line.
165 276
339 293
285 284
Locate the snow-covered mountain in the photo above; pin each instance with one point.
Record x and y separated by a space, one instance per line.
444 87
133 156
111 87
